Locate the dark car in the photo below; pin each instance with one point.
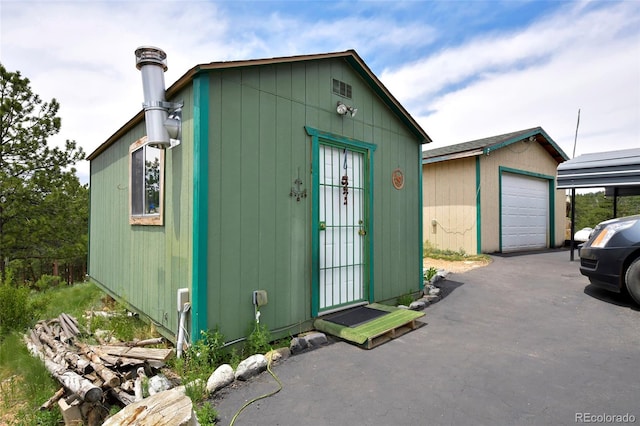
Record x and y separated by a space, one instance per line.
611 256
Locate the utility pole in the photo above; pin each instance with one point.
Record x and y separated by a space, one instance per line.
573 194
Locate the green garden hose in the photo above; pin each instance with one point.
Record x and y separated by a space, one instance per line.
260 397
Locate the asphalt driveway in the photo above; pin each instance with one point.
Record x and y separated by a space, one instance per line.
523 341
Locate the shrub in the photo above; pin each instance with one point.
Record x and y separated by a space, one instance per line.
47 281
17 310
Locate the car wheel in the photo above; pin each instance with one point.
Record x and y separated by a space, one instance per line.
632 278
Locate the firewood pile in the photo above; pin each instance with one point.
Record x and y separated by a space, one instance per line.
93 377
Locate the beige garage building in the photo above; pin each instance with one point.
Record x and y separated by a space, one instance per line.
494 195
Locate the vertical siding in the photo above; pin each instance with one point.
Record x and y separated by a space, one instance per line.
525 156
449 194
260 237
143 265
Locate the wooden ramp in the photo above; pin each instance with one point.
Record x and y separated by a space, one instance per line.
377 331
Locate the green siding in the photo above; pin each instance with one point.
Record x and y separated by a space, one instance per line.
255 235
260 238
143 266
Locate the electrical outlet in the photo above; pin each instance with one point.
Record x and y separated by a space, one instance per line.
260 297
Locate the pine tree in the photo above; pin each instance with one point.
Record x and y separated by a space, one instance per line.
36 180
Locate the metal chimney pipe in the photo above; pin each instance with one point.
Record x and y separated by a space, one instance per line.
152 63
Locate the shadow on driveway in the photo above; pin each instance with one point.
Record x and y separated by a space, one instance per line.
447 287
618 299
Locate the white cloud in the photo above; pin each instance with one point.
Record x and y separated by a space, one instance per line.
580 58
584 56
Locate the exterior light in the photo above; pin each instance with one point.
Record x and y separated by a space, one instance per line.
343 109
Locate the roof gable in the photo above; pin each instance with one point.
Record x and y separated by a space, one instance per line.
487 145
350 56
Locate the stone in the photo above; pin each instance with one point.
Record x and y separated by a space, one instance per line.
169 408
251 366
417 305
279 354
402 307
424 300
316 339
158 383
221 377
298 345
432 298
434 291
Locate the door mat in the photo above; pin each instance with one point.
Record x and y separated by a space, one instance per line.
356 316
376 331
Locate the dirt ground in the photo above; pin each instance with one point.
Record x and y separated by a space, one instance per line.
456 267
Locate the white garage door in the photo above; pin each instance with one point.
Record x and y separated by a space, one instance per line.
525 212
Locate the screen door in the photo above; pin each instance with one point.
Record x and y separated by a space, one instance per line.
342 230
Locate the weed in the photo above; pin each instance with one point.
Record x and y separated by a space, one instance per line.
428 274
235 358
259 340
199 361
430 251
207 414
405 299
196 388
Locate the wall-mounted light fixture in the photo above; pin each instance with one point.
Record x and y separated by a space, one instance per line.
343 109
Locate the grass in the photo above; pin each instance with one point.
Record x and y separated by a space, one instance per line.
72 300
24 385
450 255
24 382
405 299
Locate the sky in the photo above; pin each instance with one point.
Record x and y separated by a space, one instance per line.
464 69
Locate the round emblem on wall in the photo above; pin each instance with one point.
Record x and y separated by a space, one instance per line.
397 177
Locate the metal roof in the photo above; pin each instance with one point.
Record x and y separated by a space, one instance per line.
613 169
350 56
486 145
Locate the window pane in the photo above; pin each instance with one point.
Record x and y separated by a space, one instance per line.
152 180
137 182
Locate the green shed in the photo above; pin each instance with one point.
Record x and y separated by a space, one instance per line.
297 176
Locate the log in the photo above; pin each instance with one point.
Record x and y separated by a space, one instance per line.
122 396
170 407
148 342
139 353
56 396
35 349
45 326
71 322
67 332
74 382
79 364
64 352
110 378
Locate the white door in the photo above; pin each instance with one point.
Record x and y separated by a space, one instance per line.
525 212
342 232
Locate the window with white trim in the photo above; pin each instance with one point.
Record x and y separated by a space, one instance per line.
146 176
